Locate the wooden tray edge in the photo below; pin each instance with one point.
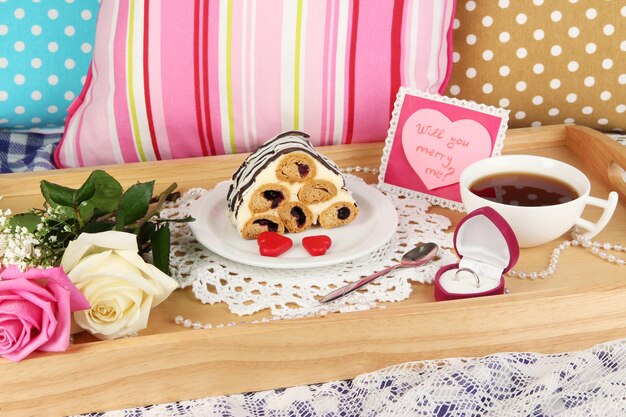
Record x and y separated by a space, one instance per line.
213 364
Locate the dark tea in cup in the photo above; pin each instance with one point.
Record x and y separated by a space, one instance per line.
523 189
540 198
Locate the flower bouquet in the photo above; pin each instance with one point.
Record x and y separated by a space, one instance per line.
96 257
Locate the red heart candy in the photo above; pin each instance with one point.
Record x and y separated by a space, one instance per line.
273 244
317 245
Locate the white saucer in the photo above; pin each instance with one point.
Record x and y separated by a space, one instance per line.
376 223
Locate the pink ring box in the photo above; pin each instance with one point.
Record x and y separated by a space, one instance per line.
487 248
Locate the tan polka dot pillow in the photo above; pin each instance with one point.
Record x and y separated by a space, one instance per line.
548 61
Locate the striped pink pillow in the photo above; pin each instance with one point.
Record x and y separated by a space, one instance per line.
175 79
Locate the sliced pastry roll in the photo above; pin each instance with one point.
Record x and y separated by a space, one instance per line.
296 216
286 185
296 167
317 191
258 224
268 197
338 214
340 210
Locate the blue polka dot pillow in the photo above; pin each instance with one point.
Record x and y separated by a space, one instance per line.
45 50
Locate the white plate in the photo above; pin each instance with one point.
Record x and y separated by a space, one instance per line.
373 227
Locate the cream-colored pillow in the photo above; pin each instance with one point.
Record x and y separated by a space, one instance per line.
548 61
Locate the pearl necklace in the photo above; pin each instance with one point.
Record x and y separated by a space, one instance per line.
357 168
355 300
596 248
196 325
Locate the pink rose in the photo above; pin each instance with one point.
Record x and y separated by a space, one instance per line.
35 311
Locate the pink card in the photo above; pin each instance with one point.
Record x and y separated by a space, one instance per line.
432 139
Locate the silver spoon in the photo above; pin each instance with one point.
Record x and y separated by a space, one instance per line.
418 256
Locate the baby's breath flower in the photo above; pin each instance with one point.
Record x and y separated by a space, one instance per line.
18 246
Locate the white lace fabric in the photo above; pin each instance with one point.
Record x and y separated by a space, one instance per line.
590 383
290 293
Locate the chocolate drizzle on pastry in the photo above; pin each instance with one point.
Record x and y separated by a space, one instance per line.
286 186
245 177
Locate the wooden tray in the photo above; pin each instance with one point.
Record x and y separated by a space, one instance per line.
581 305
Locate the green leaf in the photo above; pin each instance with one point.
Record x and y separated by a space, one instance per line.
86 191
86 209
119 222
27 220
108 192
136 201
97 227
67 212
145 233
99 213
161 248
57 195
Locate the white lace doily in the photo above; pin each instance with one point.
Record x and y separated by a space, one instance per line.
291 292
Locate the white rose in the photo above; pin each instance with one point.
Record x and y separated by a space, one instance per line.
120 286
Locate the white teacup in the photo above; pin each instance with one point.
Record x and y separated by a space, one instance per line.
535 226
